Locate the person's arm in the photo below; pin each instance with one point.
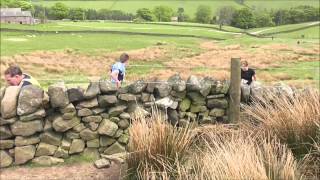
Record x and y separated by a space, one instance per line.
114 76
254 78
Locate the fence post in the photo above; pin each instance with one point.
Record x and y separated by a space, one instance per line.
234 91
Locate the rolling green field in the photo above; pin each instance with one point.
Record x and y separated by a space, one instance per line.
189 6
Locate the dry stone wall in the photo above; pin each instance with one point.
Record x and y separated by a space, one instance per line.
48 127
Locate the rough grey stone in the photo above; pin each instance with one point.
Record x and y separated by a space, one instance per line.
5 132
87 134
162 89
197 108
68 109
77 146
106 141
193 83
26 128
75 94
216 96
102 163
107 127
44 149
217 103
84 112
151 86
89 119
23 154
184 104
123 124
93 126
61 125
10 100
68 116
79 127
47 160
7 121
51 137
115 148
205 86
196 98
6 144
107 100
94 143
178 84
39 114
97 111
117 110
58 95
124 139
30 100
65 144
216 112
5 159
173 116
107 87
125 116
145 97
92 153
92 91
167 102
88 103
61 153
137 87
118 133
24 141
72 134
127 97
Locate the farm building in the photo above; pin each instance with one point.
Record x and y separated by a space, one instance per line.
16 16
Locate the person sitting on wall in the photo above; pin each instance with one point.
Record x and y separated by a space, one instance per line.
118 70
14 77
247 74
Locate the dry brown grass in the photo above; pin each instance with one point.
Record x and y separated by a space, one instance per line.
293 119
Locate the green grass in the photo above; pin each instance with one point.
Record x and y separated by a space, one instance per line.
190 6
310 33
275 29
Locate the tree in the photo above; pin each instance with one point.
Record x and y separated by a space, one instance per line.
145 14
281 17
59 11
203 14
225 15
91 14
244 19
163 13
263 19
76 14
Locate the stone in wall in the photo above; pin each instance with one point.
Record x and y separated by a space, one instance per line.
30 100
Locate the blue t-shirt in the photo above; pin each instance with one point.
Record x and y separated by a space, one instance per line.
120 68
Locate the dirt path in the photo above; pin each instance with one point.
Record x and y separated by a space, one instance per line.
84 171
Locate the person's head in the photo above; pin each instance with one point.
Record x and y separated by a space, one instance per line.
13 75
244 65
124 58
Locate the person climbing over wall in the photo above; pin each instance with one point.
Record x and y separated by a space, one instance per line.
118 70
14 77
248 75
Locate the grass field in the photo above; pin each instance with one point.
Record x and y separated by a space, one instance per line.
66 54
189 6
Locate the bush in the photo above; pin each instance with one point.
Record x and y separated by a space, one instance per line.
145 14
243 18
203 14
163 13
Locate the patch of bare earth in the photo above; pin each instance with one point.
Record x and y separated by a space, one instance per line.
83 171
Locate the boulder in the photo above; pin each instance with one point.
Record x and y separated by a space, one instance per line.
44 149
91 153
68 109
197 108
118 157
89 119
10 100
107 100
217 103
84 112
167 102
39 114
61 125
23 154
5 159
118 133
193 83
102 163
47 160
93 126
30 100
205 86
124 139
173 116
220 87
123 124
125 116
87 134
92 91
65 144
106 141
24 141
58 95
97 110
196 98
75 94
217 112
107 127
115 148
216 96
94 143
127 97
5 132
79 127
70 134
137 87
77 146
28 128
107 87
151 86
61 153
6 144
177 83
51 137
178 95
184 104
117 110
139 112
7 121
68 116
162 89
88 103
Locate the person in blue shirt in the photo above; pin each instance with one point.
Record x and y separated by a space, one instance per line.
118 70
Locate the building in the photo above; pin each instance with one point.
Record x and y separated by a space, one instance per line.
16 16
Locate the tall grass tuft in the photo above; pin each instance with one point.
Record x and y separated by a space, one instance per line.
293 119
